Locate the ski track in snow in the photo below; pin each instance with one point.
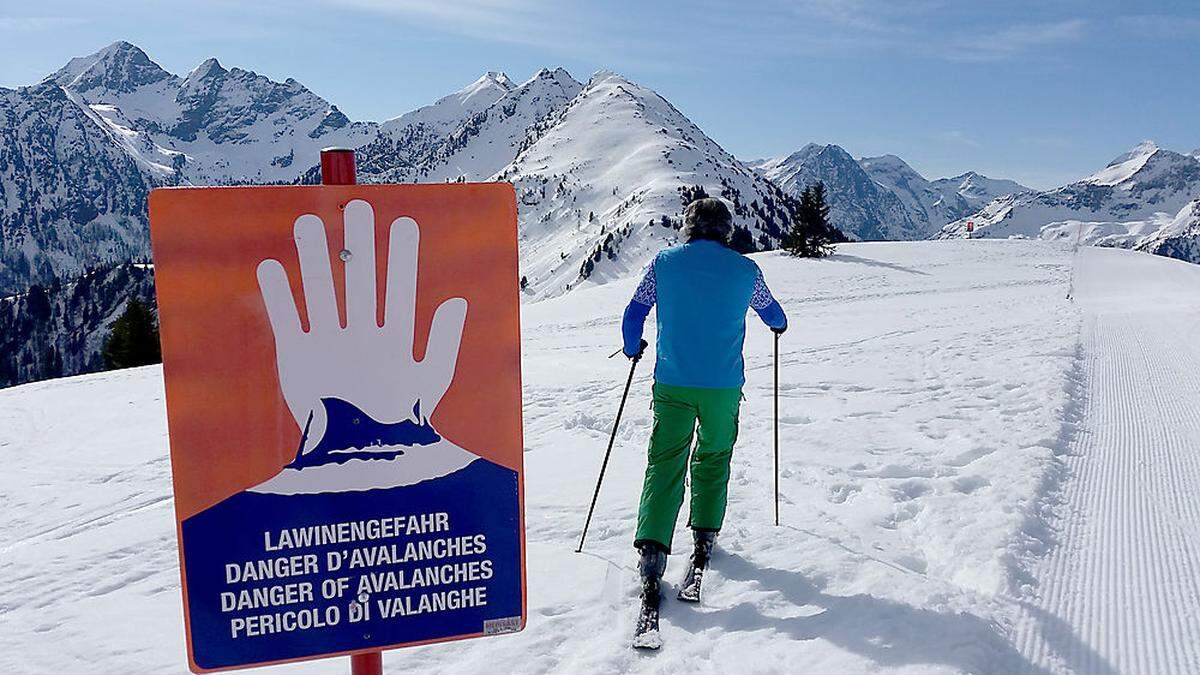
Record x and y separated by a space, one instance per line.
954 478
1121 590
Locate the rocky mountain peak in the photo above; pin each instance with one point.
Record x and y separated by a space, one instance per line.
1125 166
886 162
120 67
209 69
558 76
490 84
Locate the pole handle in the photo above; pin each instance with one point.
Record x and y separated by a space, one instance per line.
638 357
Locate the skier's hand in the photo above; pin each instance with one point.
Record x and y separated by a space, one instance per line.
365 364
779 331
641 350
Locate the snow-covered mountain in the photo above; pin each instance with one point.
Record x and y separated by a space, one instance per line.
469 135
978 189
70 193
1179 238
214 126
81 150
601 183
859 205
932 204
1142 199
603 170
883 197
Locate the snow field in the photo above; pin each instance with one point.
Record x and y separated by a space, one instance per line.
1120 592
923 393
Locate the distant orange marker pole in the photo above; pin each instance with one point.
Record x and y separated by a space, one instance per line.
337 168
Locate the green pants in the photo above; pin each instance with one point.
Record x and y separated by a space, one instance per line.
676 411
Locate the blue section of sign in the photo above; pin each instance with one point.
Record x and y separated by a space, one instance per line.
480 499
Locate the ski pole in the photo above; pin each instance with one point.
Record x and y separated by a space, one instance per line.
777 429
611 440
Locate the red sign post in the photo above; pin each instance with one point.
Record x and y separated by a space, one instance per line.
337 168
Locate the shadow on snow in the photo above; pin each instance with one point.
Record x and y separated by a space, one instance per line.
846 257
889 633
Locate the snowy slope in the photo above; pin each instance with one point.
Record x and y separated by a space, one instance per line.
443 115
469 135
1179 238
911 486
1130 203
1121 591
406 144
1126 166
602 182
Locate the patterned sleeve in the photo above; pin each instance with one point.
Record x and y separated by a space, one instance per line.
762 298
647 291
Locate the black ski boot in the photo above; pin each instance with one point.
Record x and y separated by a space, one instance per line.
651 566
689 591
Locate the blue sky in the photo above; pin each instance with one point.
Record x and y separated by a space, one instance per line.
1043 92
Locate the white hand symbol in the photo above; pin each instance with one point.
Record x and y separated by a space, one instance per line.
365 364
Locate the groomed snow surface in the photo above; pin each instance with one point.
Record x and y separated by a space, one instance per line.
978 475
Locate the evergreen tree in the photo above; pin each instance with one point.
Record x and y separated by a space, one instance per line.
742 240
134 338
811 235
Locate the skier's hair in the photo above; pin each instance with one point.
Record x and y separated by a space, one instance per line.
707 218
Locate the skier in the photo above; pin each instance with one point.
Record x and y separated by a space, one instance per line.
702 289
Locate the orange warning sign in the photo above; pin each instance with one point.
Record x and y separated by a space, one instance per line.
342 368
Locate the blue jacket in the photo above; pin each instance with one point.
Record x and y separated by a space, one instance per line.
703 290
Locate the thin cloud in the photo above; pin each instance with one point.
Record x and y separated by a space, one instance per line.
958 137
921 28
774 27
1161 27
529 22
1012 41
29 24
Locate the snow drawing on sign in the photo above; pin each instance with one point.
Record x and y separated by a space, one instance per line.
360 399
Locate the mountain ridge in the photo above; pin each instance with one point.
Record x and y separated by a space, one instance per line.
881 197
1142 199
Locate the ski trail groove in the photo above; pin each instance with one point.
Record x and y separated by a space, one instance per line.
1120 591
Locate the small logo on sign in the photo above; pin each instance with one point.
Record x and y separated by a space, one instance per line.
510 624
